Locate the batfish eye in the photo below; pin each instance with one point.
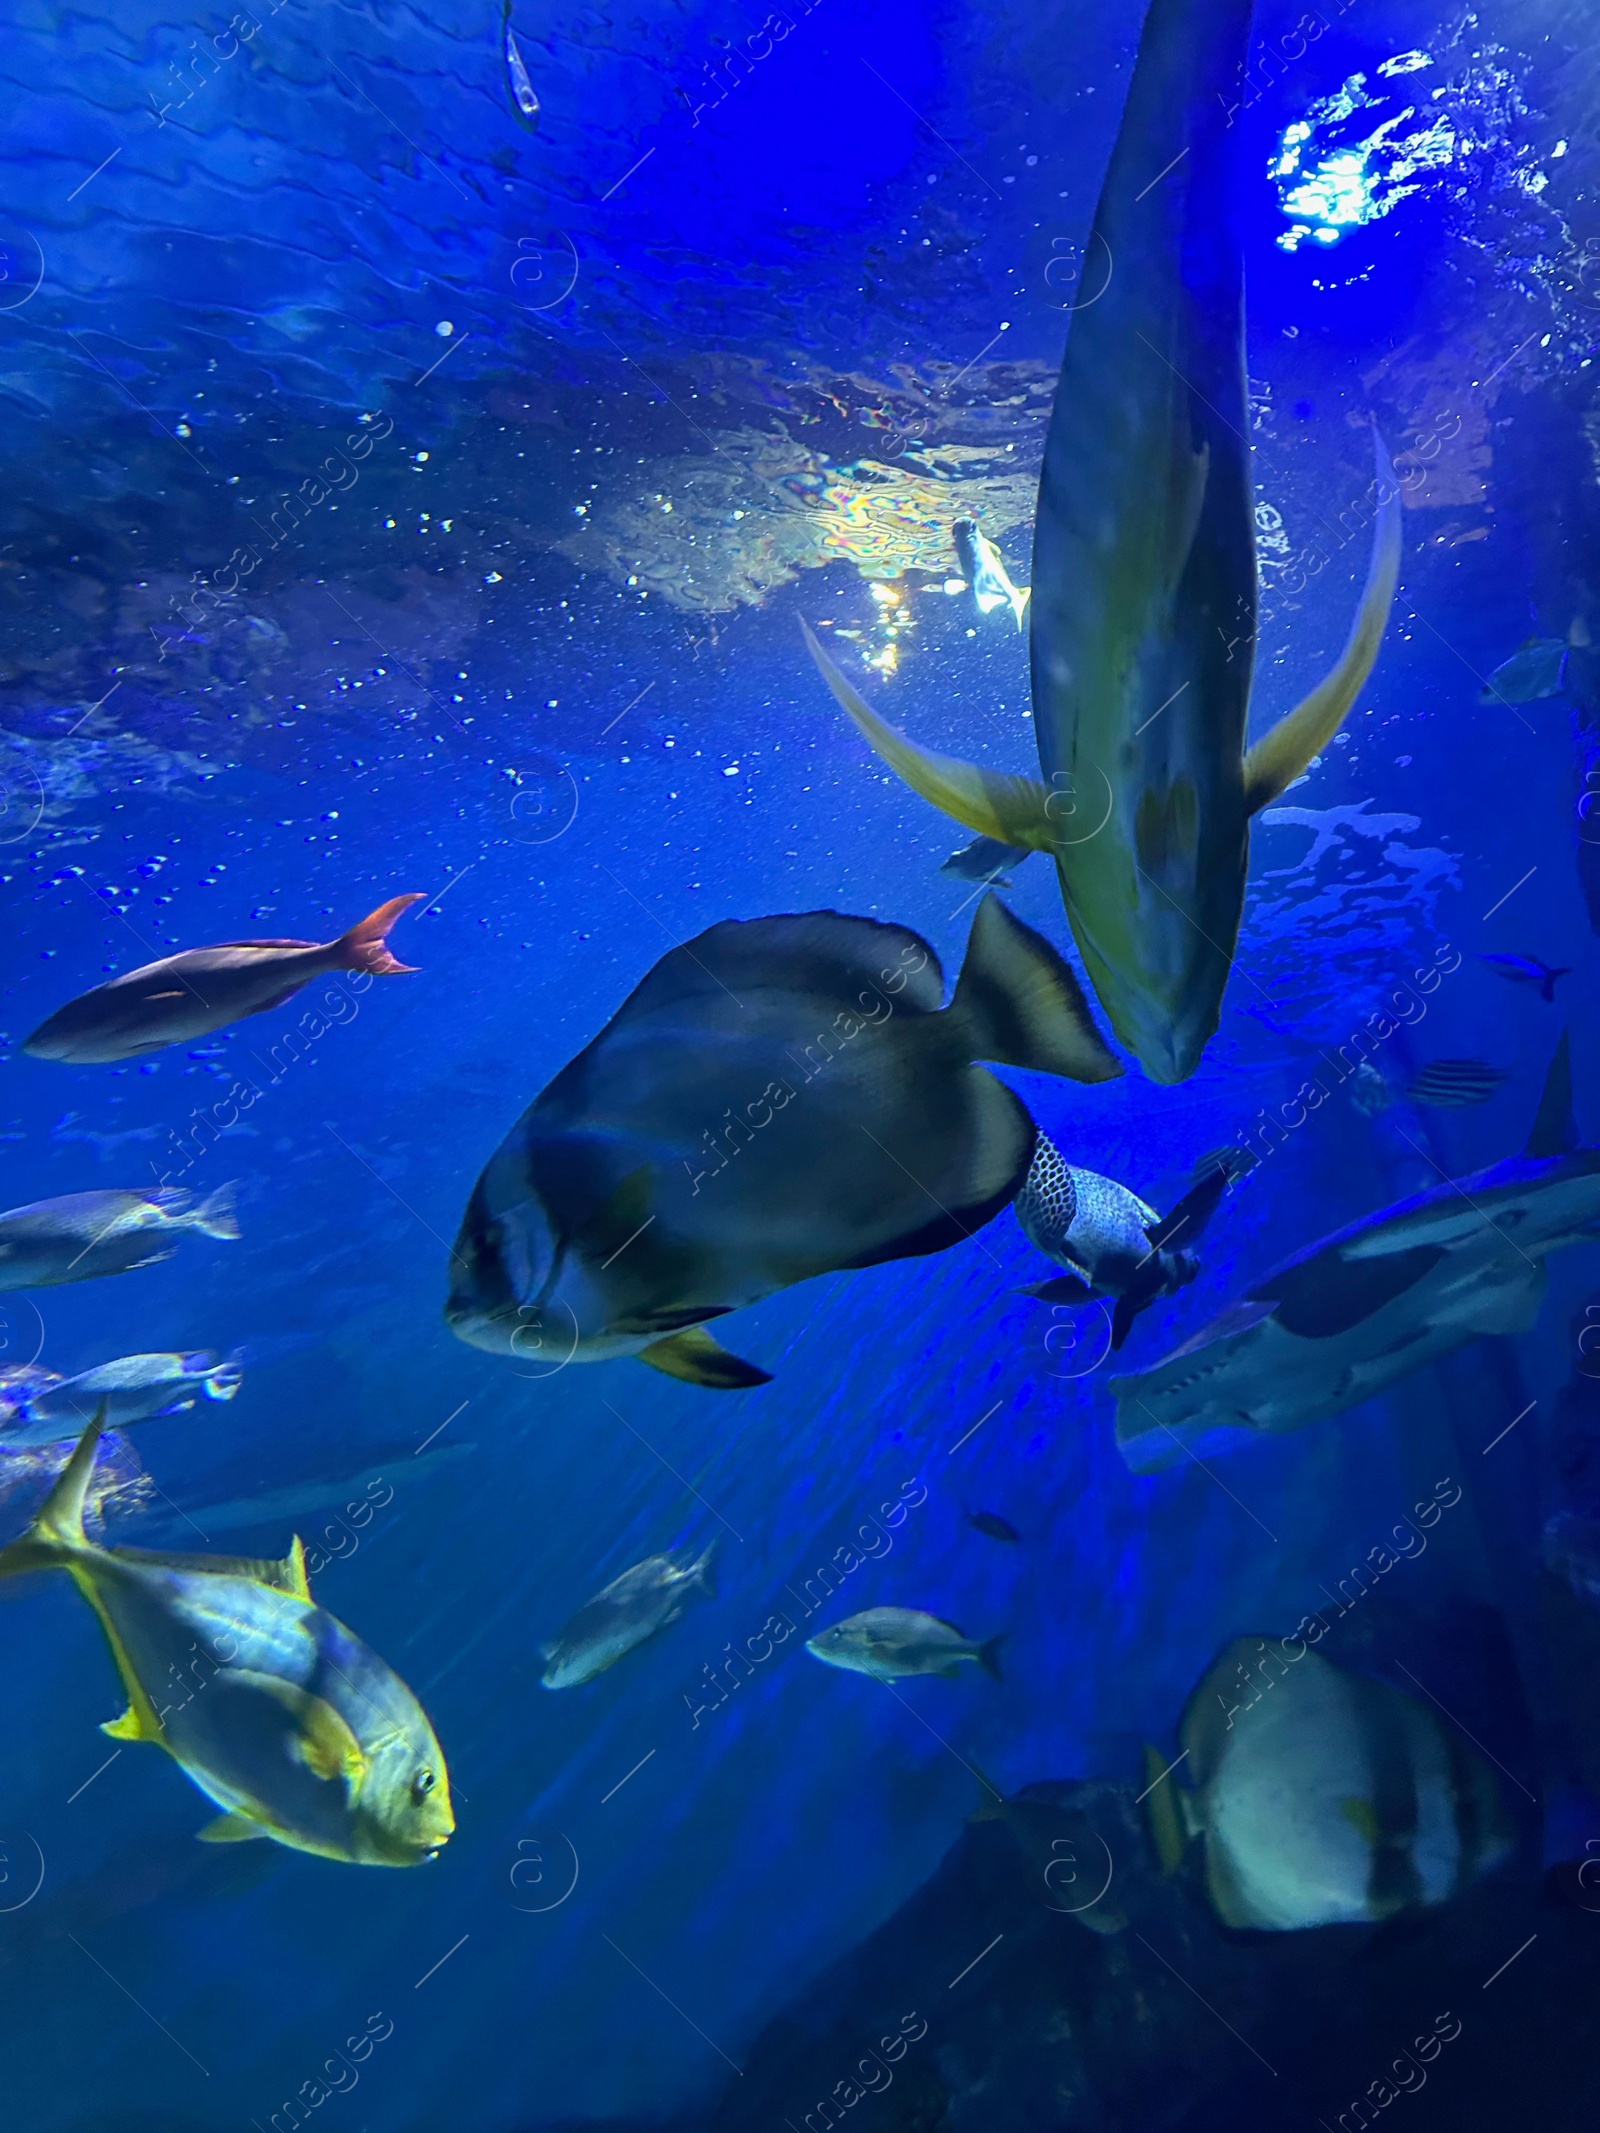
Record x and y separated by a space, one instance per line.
422 1784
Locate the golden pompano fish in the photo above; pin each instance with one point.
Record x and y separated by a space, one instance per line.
1143 609
271 1706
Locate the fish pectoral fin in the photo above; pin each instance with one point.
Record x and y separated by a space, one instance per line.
231 1829
322 1740
133 1725
1062 1289
1281 755
699 1360
1009 809
294 1579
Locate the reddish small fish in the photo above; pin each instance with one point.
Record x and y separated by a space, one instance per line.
202 989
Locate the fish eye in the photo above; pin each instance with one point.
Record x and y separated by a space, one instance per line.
422 1784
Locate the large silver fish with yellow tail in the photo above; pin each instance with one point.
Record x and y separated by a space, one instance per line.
1143 612
272 1707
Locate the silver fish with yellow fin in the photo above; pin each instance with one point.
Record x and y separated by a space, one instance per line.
82 1235
778 1098
201 989
268 1704
1322 1797
1143 610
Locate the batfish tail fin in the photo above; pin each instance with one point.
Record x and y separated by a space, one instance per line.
1169 1830
1555 1130
1281 755
57 1534
1011 810
1020 1005
217 1216
699 1360
366 947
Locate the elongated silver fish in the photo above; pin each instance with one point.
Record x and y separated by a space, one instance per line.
779 1098
1110 1242
187 995
1349 1316
132 1389
1143 610
272 1707
888 1643
984 568
83 1235
1322 1798
624 1614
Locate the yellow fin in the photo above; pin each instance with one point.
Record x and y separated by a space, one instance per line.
1166 1806
1010 809
699 1360
134 1726
1363 1819
294 1571
231 1829
323 1740
1281 754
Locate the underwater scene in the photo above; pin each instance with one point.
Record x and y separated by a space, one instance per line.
800 1075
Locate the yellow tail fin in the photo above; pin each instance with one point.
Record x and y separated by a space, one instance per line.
57 1532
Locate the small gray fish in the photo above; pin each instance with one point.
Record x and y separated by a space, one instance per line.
132 1389
523 100
188 995
1110 1242
1450 1083
985 570
625 1614
888 1643
985 859
1323 1798
86 1234
1537 669
778 1098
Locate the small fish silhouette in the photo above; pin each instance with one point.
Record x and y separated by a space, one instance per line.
997 1528
1527 970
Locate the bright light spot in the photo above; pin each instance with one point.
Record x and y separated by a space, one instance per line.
1359 181
444 329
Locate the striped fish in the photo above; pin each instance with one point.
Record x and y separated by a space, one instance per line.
1450 1083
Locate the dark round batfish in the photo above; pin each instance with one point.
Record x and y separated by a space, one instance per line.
779 1098
202 989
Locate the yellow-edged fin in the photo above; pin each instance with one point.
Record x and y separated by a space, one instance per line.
232 1829
993 803
131 1726
288 1576
1281 755
1164 1805
294 1571
699 1360
1363 1819
323 1740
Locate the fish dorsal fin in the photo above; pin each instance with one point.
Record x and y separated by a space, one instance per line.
323 1739
699 1360
294 1571
1284 752
1012 810
1555 1130
831 954
286 1576
1018 1003
136 1723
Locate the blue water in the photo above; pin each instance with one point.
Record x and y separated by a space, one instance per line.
490 664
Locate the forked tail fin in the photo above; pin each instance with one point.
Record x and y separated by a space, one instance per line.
1011 810
57 1530
365 947
1555 1130
1285 750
